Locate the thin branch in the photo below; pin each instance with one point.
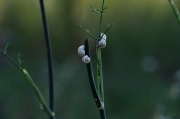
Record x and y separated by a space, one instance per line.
38 93
4 52
175 9
94 10
105 8
49 57
20 60
31 82
109 27
85 31
5 49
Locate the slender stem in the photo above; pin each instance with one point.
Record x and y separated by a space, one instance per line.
94 9
91 76
31 82
100 75
102 113
99 63
175 9
109 27
85 30
100 27
99 70
49 56
38 93
9 58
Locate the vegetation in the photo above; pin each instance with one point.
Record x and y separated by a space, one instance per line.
140 61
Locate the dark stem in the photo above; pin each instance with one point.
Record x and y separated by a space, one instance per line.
102 113
91 76
49 56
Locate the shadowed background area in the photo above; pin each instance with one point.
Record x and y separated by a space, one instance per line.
141 62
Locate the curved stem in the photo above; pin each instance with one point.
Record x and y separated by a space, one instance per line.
31 82
91 76
49 56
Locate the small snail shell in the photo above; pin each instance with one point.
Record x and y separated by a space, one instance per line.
81 47
86 59
102 44
81 50
103 36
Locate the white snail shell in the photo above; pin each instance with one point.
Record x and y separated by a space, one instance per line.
81 50
103 36
86 59
81 47
102 44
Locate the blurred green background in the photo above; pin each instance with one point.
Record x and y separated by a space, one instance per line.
141 63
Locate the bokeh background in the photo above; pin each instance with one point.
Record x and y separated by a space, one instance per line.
141 63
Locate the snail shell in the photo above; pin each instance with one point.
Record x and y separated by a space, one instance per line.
81 47
102 44
86 59
81 50
103 36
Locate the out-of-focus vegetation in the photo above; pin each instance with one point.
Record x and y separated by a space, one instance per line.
141 62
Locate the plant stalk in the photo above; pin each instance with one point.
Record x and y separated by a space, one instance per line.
38 93
99 70
31 82
49 57
91 76
175 9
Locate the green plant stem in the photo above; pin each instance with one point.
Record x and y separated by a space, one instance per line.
10 59
38 93
99 63
91 76
31 82
99 70
100 75
49 57
100 84
175 9
100 27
